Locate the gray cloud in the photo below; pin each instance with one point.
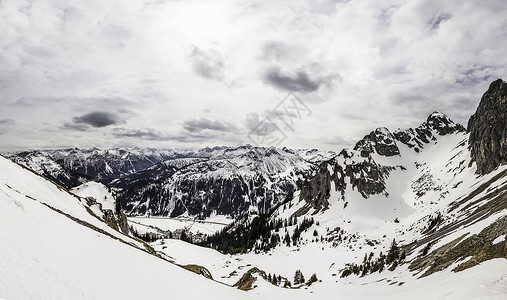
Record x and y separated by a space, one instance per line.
435 22
151 134
76 127
208 64
4 123
97 119
261 125
7 122
198 125
144 133
300 81
273 50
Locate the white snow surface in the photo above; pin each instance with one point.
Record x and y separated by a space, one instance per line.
98 191
46 255
208 226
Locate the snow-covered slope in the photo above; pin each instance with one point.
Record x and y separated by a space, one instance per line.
51 247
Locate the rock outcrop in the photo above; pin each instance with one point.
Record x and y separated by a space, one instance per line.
436 124
380 141
487 127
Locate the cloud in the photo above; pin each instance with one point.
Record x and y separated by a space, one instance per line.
7 122
261 125
299 81
144 133
4 123
395 62
76 127
437 20
198 125
209 64
96 119
274 51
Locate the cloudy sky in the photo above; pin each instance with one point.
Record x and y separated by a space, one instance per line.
305 74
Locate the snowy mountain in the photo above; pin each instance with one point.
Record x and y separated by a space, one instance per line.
229 182
162 182
72 167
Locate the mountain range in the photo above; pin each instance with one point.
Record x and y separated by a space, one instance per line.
416 212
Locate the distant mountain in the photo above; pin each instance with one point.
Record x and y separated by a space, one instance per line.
72 167
230 182
171 182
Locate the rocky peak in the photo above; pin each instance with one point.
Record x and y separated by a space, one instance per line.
487 127
442 124
380 141
436 124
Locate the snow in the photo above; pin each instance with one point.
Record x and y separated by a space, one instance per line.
46 255
98 191
499 239
208 226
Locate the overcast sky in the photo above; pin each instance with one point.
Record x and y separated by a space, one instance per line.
202 73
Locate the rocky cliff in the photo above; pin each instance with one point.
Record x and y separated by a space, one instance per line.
487 128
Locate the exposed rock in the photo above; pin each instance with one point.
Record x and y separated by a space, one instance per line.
363 173
380 141
246 281
317 190
479 247
227 183
368 177
487 127
198 270
436 123
442 124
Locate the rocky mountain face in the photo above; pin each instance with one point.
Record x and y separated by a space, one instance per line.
359 169
487 128
229 182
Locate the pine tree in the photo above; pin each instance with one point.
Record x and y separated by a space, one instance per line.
394 253
299 278
287 239
402 256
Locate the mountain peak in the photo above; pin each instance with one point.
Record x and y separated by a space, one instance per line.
488 136
381 141
443 124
